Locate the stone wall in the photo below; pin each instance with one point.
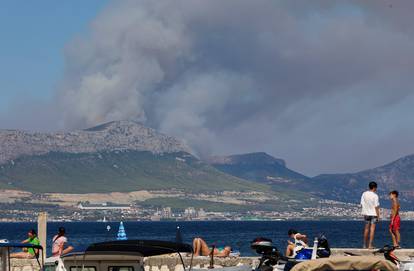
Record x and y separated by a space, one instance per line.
24 265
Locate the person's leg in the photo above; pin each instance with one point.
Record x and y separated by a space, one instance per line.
19 255
196 246
371 235
393 236
289 250
397 231
398 237
204 249
366 234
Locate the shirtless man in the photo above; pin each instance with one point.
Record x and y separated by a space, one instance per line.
395 220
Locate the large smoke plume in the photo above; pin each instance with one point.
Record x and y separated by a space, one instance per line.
325 84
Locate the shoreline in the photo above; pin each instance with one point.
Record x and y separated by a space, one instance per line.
196 221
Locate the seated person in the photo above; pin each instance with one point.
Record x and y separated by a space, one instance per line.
202 249
300 241
28 253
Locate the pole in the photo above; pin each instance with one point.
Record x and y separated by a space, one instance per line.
4 259
42 233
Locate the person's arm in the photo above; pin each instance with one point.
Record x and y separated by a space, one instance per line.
25 241
377 210
61 245
302 237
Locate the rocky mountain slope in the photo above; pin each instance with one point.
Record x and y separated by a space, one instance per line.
259 167
114 157
397 175
263 168
119 135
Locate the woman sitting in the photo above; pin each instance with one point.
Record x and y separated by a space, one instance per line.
28 253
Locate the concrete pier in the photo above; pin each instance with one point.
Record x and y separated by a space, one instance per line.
173 263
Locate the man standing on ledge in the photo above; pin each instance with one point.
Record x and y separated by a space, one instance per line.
371 213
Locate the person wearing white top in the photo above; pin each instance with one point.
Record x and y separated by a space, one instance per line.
370 211
300 242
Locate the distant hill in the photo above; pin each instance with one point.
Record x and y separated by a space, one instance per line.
397 175
118 156
259 167
263 168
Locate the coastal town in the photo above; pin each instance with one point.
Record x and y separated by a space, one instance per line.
106 211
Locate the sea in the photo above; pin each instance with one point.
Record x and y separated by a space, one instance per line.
237 234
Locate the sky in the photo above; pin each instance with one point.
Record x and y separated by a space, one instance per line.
325 85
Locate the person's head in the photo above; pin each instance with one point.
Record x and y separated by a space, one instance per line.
394 194
61 231
31 233
373 186
292 232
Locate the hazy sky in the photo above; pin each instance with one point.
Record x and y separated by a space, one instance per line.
325 85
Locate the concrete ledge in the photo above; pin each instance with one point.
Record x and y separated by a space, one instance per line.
402 254
24 265
172 262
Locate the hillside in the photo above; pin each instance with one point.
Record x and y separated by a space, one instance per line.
397 175
263 168
258 167
118 156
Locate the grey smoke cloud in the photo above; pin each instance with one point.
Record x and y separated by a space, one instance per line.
326 85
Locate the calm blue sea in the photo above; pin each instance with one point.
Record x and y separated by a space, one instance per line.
237 234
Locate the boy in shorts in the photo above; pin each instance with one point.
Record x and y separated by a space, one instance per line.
395 221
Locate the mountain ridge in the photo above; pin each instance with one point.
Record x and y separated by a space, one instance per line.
396 175
117 156
111 136
257 166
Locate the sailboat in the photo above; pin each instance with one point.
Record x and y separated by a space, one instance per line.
121 232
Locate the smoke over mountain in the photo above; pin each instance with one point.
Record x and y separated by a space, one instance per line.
305 81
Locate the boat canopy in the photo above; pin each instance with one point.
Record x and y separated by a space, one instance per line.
346 263
144 248
19 245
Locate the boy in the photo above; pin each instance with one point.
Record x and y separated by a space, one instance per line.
370 211
395 219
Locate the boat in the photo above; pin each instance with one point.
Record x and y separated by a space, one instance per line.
6 247
346 263
124 255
